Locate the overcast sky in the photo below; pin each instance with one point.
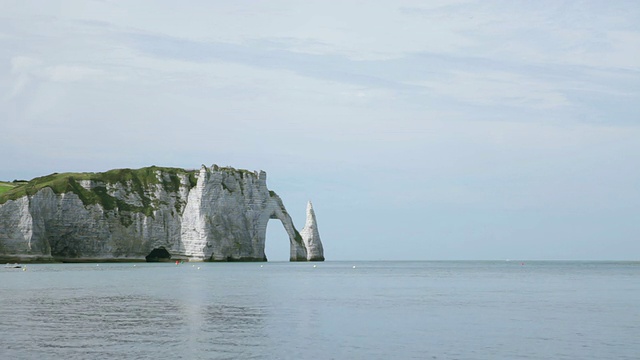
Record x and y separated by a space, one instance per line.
419 129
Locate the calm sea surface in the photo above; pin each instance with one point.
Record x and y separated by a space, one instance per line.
377 310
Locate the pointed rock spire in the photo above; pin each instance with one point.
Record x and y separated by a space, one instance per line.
311 236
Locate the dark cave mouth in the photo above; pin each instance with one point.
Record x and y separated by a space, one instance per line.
158 255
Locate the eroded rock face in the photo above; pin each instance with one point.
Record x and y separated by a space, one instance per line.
311 236
222 217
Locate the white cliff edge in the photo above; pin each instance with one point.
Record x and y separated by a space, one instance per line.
223 216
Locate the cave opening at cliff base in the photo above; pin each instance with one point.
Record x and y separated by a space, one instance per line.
158 255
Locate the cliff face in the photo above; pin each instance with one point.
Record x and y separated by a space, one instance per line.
214 214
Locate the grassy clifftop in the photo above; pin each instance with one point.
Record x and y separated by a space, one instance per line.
139 179
6 186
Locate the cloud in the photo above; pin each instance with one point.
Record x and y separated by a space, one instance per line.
72 73
28 72
494 88
23 64
586 34
22 68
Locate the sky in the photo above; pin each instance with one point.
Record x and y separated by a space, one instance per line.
420 130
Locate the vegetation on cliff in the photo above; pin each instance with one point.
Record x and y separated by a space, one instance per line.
139 181
5 186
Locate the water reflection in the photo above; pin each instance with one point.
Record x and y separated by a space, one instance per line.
381 310
126 327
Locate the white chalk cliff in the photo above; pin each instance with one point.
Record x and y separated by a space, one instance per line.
311 236
211 214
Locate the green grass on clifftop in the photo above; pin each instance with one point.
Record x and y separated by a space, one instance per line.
5 186
139 181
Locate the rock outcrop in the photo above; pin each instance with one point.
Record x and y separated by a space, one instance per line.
211 214
311 236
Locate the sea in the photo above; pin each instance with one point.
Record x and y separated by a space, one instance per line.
326 310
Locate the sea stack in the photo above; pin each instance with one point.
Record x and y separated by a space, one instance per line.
311 236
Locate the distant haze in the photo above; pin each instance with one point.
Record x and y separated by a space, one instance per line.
419 129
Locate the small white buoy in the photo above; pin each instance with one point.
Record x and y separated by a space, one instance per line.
198 267
134 265
97 264
314 266
260 265
354 266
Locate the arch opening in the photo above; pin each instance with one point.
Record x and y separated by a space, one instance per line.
158 255
277 246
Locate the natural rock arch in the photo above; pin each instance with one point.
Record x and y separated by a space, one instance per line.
277 246
297 251
304 245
